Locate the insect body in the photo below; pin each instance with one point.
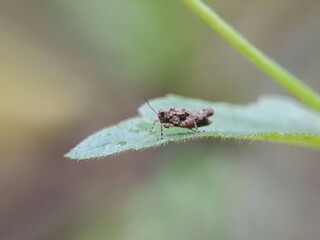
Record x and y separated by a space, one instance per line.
182 118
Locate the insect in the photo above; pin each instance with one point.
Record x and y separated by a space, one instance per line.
182 118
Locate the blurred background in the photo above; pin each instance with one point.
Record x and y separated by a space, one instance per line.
70 68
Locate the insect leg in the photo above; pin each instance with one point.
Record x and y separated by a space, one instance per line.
193 130
161 132
154 123
195 126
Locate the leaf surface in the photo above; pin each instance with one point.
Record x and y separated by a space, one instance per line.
271 118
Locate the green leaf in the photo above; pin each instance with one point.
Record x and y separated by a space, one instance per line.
271 118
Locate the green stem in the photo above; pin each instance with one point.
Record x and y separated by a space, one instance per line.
291 83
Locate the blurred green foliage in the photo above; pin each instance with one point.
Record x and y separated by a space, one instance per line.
146 40
186 199
69 68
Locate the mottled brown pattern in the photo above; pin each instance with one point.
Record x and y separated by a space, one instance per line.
183 118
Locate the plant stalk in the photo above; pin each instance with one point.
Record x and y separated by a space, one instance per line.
287 80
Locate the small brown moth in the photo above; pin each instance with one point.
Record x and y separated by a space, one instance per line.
182 118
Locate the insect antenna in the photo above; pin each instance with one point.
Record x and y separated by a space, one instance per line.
150 105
